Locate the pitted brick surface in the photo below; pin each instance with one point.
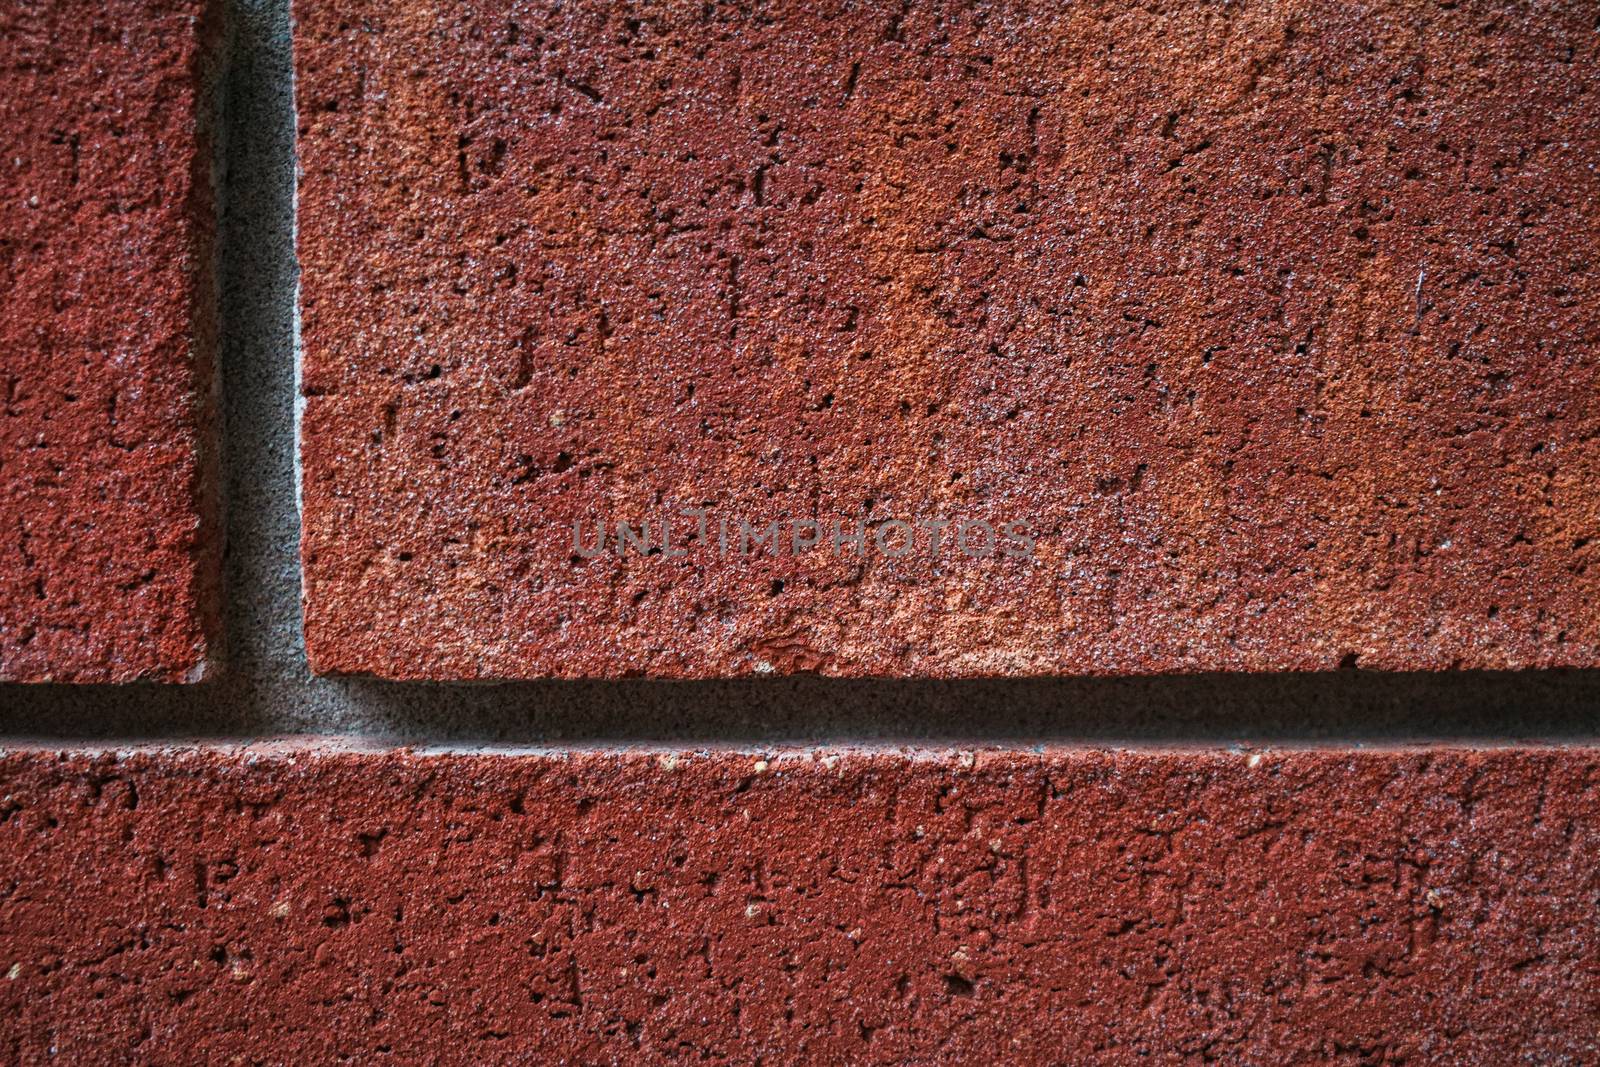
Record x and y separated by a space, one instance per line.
1432 907
108 537
1275 325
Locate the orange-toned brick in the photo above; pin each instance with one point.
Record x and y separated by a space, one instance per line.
1273 326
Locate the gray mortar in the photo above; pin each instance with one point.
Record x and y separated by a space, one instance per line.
265 689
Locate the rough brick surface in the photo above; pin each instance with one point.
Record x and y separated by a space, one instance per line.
1276 325
108 538
1071 907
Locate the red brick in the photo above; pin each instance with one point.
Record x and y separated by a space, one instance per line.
1434 906
108 533
1276 327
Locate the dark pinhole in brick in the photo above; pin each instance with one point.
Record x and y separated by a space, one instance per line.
957 986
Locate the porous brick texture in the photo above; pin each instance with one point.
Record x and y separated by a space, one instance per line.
109 542
1274 326
1068 907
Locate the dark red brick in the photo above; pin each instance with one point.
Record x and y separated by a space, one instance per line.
1433 906
109 543
1276 326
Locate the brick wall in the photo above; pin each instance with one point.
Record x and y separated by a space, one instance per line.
1275 327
